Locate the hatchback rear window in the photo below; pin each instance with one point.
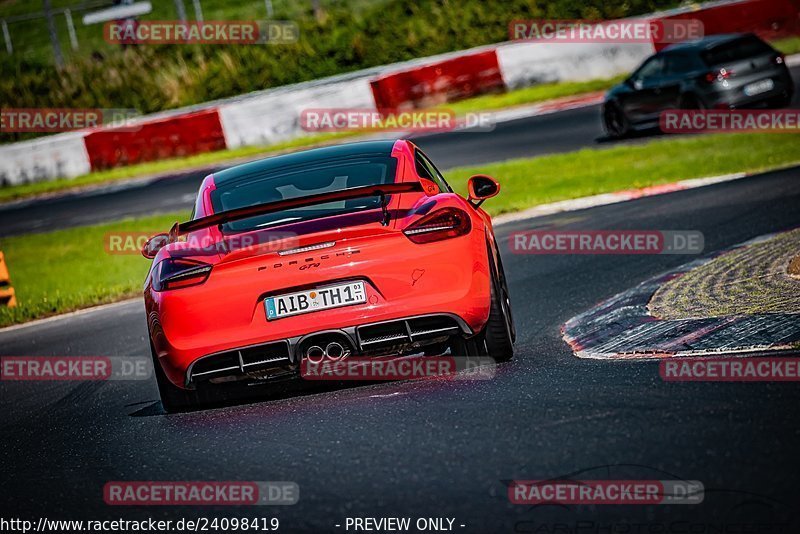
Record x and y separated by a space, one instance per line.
312 179
743 48
679 63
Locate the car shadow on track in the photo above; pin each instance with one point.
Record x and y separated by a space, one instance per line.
251 395
299 388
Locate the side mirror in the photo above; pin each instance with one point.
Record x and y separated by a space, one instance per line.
154 244
481 187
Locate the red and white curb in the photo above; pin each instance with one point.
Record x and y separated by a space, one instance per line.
622 328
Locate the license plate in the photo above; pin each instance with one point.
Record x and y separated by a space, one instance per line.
323 298
759 87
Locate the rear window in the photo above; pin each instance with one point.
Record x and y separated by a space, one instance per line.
743 48
681 63
320 177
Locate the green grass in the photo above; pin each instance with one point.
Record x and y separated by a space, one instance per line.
531 95
57 272
69 269
528 182
789 45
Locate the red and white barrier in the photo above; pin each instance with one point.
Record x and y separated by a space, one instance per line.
168 137
273 116
440 82
769 19
530 63
43 159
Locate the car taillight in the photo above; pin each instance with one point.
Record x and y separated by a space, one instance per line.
442 224
719 75
175 273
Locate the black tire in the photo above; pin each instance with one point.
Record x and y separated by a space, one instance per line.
615 121
173 398
504 288
468 347
500 332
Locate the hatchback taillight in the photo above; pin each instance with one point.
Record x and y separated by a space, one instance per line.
175 273
442 224
718 75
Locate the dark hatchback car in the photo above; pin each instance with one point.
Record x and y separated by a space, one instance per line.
731 71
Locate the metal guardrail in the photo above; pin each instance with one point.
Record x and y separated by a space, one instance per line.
66 11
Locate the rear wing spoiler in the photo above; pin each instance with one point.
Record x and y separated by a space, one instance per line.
281 205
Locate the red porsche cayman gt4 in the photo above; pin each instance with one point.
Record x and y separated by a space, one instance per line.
361 249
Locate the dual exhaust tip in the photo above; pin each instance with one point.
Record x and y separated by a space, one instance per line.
332 351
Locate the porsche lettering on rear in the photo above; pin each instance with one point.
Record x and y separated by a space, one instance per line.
308 263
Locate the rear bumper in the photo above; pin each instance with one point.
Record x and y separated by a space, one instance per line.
735 98
281 359
403 279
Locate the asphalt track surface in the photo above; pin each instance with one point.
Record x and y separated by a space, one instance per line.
564 131
439 448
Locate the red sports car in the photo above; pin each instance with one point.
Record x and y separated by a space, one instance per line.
359 249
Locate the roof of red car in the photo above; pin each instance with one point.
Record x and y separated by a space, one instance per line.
304 157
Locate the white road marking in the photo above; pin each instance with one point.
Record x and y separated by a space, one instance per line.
396 393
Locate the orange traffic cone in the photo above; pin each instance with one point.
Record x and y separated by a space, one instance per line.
7 297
